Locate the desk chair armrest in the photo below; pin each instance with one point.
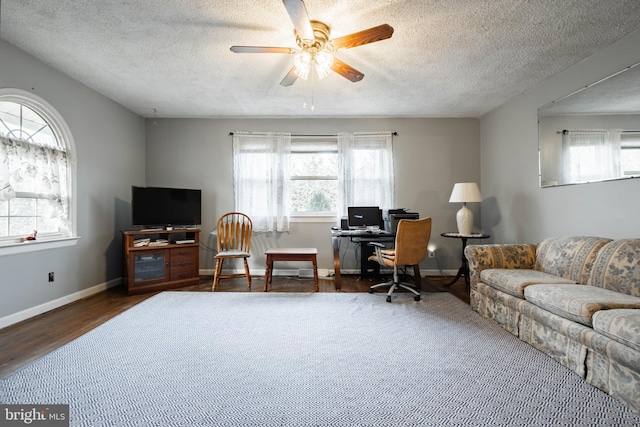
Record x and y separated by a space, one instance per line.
378 244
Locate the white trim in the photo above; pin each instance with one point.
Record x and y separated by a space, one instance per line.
323 273
56 303
37 245
330 218
423 273
62 132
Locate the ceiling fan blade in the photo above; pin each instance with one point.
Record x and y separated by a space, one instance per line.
298 13
290 78
262 49
346 71
372 35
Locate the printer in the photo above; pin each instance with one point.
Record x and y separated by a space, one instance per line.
391 217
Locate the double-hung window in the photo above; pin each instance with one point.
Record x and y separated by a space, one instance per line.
313 188
35 170
279 175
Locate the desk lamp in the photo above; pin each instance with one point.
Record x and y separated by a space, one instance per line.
465 192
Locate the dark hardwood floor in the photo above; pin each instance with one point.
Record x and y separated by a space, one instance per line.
24 342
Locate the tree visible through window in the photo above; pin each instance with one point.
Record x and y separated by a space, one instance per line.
314 175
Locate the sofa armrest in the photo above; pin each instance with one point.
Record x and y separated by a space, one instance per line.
481 257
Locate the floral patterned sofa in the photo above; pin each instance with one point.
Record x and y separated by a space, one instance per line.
575 298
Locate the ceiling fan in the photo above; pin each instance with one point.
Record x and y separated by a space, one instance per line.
315 49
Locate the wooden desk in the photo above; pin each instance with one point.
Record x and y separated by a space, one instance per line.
359 236
290 254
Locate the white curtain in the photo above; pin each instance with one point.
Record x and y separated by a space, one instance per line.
366 170
261 178
41 171
591 155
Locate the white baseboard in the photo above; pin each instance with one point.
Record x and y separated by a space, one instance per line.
59 302
422 272
322 272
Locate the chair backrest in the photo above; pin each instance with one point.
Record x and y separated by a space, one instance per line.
234 231
412 239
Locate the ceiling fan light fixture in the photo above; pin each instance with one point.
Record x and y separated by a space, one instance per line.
302 61
305 61
324 61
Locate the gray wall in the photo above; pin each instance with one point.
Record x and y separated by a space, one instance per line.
515 208
110 151
430 155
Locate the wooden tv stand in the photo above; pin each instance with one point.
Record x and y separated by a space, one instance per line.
156 266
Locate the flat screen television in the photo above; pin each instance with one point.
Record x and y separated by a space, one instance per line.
161 207
364 216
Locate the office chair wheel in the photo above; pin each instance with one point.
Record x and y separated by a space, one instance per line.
370 290
389 298
416 298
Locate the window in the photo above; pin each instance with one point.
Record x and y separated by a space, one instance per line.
591 155
366 171
261 178
36 170
313 188
630 154
277 174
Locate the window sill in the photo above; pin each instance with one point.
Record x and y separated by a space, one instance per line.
37 245
313 218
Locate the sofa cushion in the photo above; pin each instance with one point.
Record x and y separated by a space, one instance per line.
513 256
513 281
568 257
577 302
617 267
622 325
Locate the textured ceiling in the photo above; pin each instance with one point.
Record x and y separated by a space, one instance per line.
617 94
447 58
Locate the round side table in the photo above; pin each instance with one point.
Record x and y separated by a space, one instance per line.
464 268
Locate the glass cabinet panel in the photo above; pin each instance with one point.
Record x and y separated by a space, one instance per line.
149 266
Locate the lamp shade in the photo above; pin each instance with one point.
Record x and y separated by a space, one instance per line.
465 192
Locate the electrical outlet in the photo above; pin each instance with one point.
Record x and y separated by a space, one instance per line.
431 254
51 276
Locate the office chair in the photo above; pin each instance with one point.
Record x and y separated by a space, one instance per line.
412 238
234 230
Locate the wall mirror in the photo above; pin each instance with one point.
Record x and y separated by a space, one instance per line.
592 134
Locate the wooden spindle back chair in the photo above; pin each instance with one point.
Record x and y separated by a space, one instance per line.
234 231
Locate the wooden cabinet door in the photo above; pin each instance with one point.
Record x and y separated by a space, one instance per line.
148 267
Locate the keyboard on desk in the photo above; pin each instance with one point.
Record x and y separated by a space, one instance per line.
364 233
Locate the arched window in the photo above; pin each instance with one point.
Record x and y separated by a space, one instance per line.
37 170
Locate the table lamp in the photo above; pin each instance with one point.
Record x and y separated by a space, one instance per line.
465 192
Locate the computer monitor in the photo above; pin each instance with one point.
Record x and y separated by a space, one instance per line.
364 216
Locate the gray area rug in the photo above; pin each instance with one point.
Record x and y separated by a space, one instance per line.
308 359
